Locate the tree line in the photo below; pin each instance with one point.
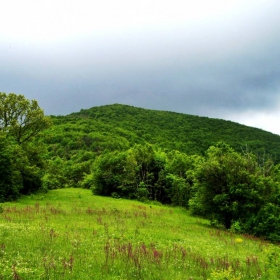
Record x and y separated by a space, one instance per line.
233 190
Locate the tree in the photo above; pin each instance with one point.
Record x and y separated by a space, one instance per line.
145 157
228 188
133 173
21 118
10 178
114 172
22 163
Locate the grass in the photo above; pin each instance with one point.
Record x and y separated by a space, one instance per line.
71 234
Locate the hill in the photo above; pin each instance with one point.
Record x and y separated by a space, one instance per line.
168 130
75 141
119 133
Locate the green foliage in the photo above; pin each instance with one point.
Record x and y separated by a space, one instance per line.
76 143
132 173
174 131
21 118
10 179
114 173
21 156
31 180
117 128
142 192
230 189
265 223
144 172
179 190
179 177
79 138
235 192
226 187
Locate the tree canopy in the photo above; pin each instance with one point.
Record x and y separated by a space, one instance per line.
21 156
175 131
21 118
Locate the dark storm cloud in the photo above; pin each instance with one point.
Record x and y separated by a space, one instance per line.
213 68
144 74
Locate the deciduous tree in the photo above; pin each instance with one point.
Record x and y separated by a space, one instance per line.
228 189
21 158
20 117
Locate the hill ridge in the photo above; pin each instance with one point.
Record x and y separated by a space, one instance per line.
188 133
116 105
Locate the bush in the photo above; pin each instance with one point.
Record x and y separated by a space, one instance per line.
266 223
115 195
142 193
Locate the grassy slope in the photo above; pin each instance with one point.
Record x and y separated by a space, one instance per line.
71 234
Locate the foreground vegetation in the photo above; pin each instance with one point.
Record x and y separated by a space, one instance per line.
71 234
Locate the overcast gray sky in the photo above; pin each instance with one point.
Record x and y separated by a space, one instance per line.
212 58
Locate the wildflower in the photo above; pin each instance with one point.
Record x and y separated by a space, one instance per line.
238 240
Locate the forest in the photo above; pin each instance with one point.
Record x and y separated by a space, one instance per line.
224 171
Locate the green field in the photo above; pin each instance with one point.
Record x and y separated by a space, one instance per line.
71 234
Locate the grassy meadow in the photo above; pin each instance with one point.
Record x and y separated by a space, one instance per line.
71 234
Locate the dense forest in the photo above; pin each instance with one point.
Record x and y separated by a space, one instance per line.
218 169
186 133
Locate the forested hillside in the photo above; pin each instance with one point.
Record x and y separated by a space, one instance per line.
75 141
186 133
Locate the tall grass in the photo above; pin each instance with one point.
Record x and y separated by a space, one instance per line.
71 234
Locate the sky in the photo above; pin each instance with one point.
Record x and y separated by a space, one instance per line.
214 58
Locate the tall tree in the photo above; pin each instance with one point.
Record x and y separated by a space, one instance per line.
21 161
230 187
21 118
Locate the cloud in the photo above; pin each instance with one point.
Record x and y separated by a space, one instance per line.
211 58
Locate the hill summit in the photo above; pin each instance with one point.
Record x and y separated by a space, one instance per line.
187 133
